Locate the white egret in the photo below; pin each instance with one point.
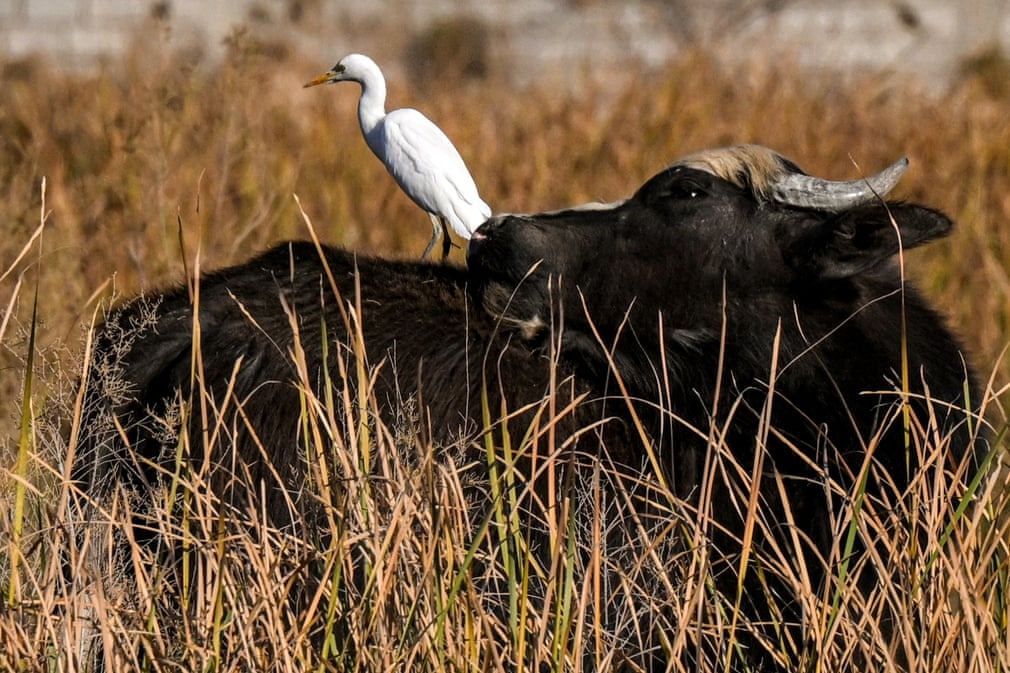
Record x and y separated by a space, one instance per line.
418 155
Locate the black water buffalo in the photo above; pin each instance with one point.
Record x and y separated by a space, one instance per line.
731 292
735 256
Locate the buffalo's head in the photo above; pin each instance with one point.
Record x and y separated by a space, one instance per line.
734 234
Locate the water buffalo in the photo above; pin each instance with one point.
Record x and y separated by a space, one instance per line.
732 300
721 266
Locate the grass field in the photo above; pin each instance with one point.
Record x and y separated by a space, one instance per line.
130 178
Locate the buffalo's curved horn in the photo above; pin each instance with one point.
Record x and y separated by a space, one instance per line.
805 191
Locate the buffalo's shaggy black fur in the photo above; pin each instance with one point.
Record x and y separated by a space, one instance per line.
709 305
416 318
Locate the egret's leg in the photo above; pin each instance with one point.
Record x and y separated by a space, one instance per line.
446 238
437 228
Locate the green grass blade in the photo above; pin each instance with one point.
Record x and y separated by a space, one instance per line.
26 441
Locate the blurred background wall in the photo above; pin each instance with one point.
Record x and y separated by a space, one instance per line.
530 39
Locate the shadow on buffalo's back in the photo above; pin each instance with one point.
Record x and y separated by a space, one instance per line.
733 344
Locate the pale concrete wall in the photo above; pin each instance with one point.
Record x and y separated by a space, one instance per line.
921 36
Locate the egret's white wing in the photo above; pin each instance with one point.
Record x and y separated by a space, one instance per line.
427 166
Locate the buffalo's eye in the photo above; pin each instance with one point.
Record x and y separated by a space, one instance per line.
685 189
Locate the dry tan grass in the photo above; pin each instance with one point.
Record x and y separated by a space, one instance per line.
157 153
421 560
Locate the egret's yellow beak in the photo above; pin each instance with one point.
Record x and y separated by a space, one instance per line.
322 79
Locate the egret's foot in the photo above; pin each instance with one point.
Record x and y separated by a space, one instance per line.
439 229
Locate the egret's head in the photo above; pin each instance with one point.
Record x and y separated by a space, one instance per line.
352 68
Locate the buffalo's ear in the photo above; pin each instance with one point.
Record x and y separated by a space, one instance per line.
848 243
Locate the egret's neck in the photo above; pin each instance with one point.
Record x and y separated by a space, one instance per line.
372 105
